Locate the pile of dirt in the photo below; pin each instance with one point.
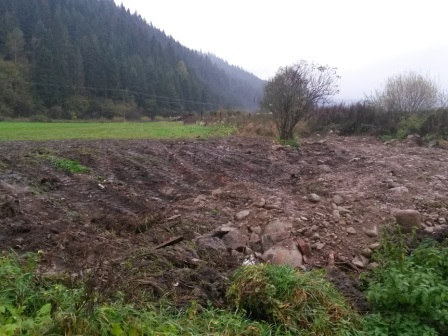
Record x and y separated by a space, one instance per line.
176 217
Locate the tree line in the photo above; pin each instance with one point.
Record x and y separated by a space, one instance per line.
70 59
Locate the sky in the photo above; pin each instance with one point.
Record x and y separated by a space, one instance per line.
367 40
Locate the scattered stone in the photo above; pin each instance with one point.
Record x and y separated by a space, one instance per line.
371 232
284 253
211 243
429 229
373 265
254 238
325 168
399 190
338 200
374 246
199 199
408 220
242 215
216 192
304 248
360 261
166 191
314 198
367 252
336 214
234 240
259 202
442 221
272 206
314 228
274 232
351 230
320 246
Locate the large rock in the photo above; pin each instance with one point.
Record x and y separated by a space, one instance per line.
408 220
284 253
208 242
242 215
274 232
235 240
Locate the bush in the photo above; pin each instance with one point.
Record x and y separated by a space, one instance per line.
302 302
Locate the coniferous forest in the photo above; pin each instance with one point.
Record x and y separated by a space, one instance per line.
91 59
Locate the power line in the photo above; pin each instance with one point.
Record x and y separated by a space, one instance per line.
155 98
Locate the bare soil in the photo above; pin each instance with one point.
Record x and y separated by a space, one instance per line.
114 221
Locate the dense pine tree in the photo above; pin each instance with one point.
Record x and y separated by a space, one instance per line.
89 57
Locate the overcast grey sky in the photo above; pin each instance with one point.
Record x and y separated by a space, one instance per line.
366 40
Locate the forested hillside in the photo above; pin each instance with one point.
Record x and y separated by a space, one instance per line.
71 59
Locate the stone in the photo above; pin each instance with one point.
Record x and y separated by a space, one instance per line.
338 200
325 168
304 247
259 202
314 198
254 238
408 220
211 243
399 190
242 215
278 230
216 192
320 246
442 221
360 261
367 252
371 232
199 199
234 240
429 229
284 253
372 266
374 246
351 230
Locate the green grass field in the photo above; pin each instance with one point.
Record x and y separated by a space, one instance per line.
12 131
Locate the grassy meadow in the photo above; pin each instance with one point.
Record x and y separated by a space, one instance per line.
13 131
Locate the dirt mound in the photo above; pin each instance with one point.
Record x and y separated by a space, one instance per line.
182 214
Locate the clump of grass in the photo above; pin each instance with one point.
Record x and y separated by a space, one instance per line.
304 303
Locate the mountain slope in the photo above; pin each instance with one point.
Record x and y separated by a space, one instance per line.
92 58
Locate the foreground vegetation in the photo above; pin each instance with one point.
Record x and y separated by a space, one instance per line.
12 131
408 296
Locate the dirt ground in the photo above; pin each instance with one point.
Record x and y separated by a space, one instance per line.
118 220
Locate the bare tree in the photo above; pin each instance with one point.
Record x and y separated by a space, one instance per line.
408 92
295 90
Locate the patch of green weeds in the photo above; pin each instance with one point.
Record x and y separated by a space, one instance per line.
294 142
409 292
67 165
31 305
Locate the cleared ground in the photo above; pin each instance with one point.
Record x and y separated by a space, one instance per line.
139 194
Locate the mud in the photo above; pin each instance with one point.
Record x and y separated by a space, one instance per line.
140 194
